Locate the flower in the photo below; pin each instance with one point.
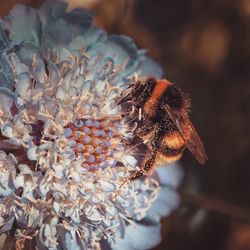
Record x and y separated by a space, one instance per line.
64 163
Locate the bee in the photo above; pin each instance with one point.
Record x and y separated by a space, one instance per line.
160 110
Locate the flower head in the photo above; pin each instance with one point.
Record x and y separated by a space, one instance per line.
64 160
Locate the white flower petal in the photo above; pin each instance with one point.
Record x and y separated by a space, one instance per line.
7 131
60 94
23 85
19 181
32 153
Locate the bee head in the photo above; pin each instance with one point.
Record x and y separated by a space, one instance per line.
139 91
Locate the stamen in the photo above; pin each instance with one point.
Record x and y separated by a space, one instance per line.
140 114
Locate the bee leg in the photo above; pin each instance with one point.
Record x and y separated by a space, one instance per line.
155 142
149 163
144 130
137 175
146 169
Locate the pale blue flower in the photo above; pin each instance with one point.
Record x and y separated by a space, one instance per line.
63 163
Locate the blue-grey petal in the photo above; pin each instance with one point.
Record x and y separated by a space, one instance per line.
69 240
56 35
4 40
79 20
166 201
18 66
149 67
8 93
27 51
91 36
6 67
51 10
7 225
139 237
126 45
23 24
4 81
171 175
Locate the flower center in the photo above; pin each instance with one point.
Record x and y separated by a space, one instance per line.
91 141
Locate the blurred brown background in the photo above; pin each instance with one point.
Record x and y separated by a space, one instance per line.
204 46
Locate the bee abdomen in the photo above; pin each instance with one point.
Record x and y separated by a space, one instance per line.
171 149
163 159
173 140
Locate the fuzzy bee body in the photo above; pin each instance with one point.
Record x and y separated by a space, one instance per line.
161 110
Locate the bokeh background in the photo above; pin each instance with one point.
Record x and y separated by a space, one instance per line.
204 46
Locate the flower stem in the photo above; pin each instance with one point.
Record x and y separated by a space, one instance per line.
216 205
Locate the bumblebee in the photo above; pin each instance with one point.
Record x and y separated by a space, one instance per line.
160 109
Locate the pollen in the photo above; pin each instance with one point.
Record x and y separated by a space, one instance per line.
92 141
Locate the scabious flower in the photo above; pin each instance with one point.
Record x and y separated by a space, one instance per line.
64 160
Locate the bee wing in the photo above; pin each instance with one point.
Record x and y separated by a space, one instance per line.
194 143
196 146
